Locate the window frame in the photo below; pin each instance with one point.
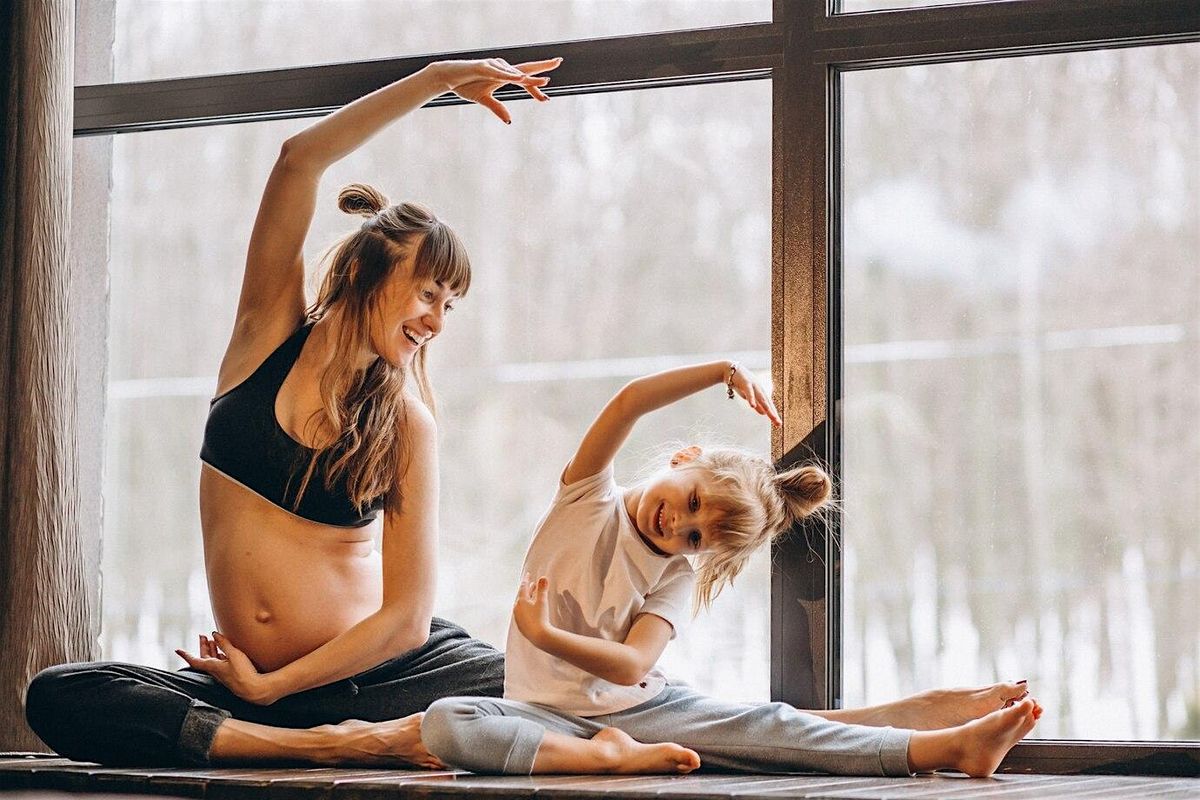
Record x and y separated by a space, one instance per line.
803 50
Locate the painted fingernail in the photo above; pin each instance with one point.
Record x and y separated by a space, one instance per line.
508 122
1023 680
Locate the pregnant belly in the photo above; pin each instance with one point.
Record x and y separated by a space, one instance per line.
280 586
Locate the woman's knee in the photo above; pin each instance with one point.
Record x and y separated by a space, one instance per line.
55 694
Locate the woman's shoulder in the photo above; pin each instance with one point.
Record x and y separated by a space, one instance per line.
416 423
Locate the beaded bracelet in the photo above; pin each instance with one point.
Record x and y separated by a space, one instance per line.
729 379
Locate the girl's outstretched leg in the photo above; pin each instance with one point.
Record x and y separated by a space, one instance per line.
976 747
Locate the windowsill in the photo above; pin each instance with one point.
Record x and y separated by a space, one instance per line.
46 773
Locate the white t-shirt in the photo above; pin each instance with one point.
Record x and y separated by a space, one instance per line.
602 575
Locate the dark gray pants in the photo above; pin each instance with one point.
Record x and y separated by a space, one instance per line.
125 714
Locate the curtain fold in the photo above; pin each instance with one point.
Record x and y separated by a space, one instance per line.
47 604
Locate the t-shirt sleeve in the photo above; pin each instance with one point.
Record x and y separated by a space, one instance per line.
671 599
594 487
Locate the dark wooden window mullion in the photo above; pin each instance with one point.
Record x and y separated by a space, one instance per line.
805 662
998 29
739 52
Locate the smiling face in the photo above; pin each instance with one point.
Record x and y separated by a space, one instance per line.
409 312
674 511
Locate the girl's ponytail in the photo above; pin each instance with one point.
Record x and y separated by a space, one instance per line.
803 490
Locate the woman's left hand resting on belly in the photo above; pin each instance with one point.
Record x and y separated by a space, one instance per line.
221 660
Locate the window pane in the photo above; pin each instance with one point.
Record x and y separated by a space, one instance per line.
155 39
1021 349
611 235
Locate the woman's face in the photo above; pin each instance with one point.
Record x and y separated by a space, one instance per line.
409 313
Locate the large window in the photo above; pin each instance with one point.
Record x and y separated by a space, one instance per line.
965 235
1021 384
609 234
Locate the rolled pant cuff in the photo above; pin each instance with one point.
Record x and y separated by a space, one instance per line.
523 751
198 730
893 751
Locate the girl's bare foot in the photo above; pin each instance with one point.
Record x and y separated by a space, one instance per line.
394 742
976 747
624 754
948 708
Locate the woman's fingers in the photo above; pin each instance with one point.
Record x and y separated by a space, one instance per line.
532 67
496 107
503 66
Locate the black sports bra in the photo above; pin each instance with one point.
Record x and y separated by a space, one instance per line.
244 441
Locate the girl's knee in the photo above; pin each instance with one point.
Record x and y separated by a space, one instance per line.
441 727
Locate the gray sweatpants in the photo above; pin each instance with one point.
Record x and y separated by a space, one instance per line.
492 735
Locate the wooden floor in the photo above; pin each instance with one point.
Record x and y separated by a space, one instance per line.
58 779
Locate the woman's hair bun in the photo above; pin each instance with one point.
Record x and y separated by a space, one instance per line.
361 199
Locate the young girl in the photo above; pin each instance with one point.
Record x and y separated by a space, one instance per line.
582 693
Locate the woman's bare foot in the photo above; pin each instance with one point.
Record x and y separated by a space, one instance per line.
395 742
976 747
947 708
624 754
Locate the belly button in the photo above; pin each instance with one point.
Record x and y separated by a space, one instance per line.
263 616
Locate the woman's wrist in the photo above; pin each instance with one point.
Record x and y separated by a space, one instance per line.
272 688
435 73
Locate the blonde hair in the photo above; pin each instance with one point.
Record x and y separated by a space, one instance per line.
367 408
757 506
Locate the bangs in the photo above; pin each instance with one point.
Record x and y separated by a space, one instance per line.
735 504
443 258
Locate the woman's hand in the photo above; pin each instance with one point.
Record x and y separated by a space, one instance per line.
742 382
221 660
531 611
477 80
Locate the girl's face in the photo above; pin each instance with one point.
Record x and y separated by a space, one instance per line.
409 314
674 514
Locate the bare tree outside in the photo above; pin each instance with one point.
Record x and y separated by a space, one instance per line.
1021 325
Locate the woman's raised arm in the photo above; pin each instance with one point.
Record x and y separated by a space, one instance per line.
273 284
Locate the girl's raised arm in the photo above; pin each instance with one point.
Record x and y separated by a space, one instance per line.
650 393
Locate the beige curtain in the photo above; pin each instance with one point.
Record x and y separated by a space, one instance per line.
47 602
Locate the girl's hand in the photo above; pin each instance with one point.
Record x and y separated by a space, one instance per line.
221 660
531 611
477 80
742 382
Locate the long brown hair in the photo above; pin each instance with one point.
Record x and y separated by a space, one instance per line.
367 408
